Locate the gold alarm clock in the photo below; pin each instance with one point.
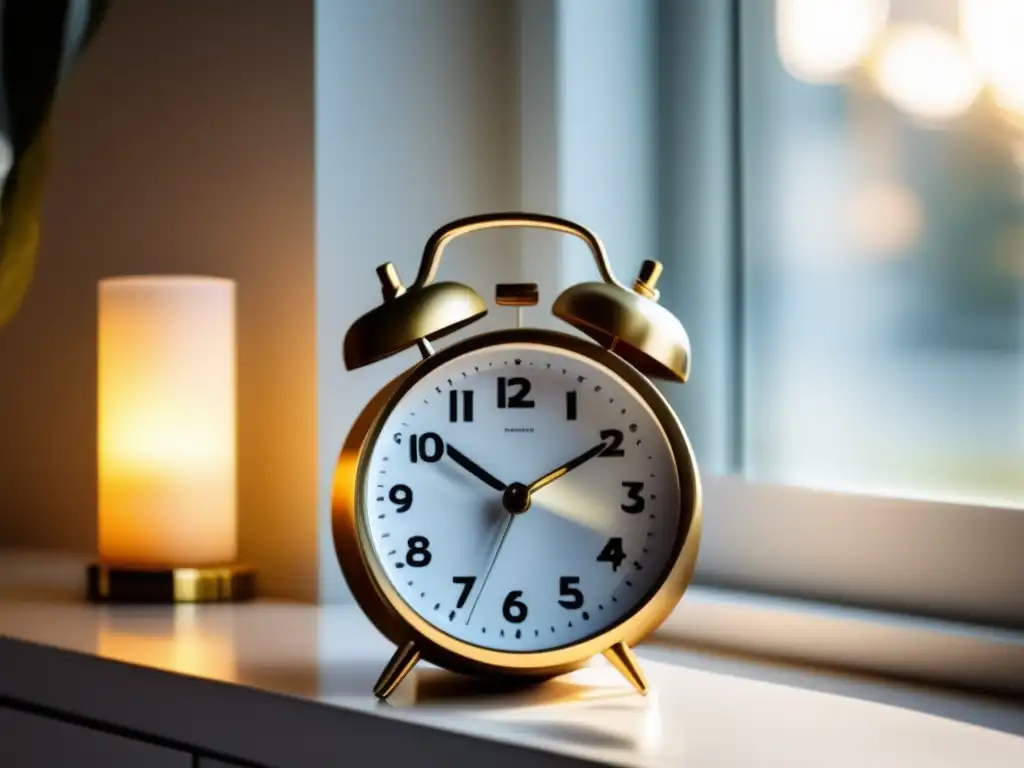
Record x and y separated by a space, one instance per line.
524 499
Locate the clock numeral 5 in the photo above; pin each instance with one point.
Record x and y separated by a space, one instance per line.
516 399
514 609
633 491
429 447
571 598
615 446
612 553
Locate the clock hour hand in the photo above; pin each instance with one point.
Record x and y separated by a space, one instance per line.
570 465
473 468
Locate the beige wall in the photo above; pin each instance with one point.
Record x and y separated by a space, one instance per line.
184 144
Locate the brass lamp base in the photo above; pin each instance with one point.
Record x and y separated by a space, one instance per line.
108 583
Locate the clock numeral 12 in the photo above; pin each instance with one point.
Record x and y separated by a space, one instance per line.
467 405
507 399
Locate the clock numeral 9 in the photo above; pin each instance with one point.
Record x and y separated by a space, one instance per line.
513 609
418 554
401 495
571 598
633 491
615 446
429 447
516 399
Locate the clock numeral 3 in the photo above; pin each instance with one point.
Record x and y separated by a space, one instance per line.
571 598
429 447
401 495
508 399
418 554
467 405
614 448
612 553
466 582
514 609
633 491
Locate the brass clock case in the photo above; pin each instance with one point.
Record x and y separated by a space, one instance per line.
408 629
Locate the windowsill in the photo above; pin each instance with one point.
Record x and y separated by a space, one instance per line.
202 677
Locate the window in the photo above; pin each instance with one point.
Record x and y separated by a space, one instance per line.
883 289
842 203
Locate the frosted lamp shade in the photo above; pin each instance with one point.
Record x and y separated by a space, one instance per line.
166 415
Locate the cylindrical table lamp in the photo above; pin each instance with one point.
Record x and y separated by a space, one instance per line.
166 423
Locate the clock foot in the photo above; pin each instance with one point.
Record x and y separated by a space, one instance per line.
623 659
400 665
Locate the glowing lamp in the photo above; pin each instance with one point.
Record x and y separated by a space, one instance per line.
166 442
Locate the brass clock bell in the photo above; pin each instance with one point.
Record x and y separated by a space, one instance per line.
523 500
630 323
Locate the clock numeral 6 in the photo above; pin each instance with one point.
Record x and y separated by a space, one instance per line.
429 447
418 554
612 553
401 495
513 609
615 446
633 491
571 598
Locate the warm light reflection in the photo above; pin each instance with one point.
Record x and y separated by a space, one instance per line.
884 218
927 73
176 644
822 40
166 416
994 33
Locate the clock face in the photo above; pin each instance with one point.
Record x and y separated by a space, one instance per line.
453 538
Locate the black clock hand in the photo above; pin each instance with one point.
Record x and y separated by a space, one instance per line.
473 468
570 465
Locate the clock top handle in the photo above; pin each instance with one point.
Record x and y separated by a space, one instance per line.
437 242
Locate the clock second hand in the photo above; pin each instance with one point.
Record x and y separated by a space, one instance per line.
490 567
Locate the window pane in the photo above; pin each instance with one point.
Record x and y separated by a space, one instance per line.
883 173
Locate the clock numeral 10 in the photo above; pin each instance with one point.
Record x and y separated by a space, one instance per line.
467 405
429 447
509 399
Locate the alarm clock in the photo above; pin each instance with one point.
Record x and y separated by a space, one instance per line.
524 499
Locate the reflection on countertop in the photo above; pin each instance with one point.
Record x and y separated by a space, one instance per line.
332 656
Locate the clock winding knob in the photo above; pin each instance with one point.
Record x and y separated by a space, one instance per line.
647 278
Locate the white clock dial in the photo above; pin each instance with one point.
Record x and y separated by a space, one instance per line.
594 542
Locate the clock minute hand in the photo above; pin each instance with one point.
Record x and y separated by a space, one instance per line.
570 465
473 468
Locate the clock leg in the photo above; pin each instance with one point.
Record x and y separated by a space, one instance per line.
400 665
623 659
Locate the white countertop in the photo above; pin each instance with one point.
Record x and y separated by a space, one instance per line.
288 684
